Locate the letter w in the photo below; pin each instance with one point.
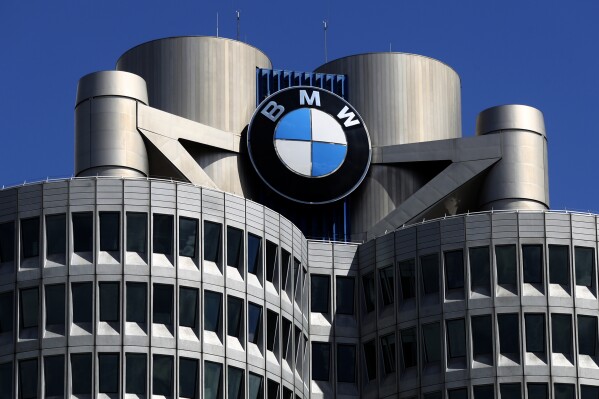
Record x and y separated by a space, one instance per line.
349 116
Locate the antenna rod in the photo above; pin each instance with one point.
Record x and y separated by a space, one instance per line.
325 25
217 24
238 15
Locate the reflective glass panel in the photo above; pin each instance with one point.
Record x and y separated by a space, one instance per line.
212 312
254 323
587 335
137 297
30 237
589 392
388 351
136 369
345 295
480 268
108 374
272 329
429 265
454 270
235 248
109 302
56 234
286 338
7 242
509 329
82 302
285 263
459 393
272 261
482 331
212 380
81 373
163 234
563 391
234 315
561 333
484 391
137 232
254 386
537 391
585 266
188 237
320 292
456 338
432 342
346 363
83 232
212 240
6 312
409 351
188 307
163 304
369 292
28 378
110 231
535 332
387 278
235 383
433 395
272 390
29 308
54 376
506 264
6 381
407 279
321 361
559 264
188 378
162 378
370 357
532 263
55 305
510 391
254 254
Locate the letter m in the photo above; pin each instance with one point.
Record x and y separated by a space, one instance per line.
315 97
348 116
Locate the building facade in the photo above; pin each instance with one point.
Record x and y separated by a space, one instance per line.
236 231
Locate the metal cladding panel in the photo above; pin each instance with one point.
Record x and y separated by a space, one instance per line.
428 235
137 192
403 98
405 243
583 227
163 195
557 225
271 224
297 242
110 192
478 227
235 208
56 194
8 202
367 254
531 225
286 234
505 225
320 255
189 198
30 198
452 230
345 256
82 192
385 249
254 215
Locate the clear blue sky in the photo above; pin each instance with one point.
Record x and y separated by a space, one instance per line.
539 53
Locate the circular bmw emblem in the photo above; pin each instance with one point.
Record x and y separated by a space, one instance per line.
309 145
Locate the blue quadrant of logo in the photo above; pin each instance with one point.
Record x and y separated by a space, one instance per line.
326 157
296 125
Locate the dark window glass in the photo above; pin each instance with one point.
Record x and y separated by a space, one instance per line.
7 242
212 233
188 237
430 273
188 307
509 327
272 261
287 393
188 378
54 376
235 248
506 264
537 391
83 232
589 392
369 293
585 266
254 323
482 333
254 254
407 279
234 316
163 304
254 386
510 391
346 363
56 234
81 373
6 312
285 262
29 308
456 338
370 357
559 264
320 293
286 338
163 234
433 395
212 312
109 372
137 232
484 391
561 333
212 380
82 302
272 330
110 231
162 378
387 279
409 351
587 335
30 237
532 263
28 378
454 270
480 268
137 298
345 295
535 332
388 351
458 393
109 302
432 342
563 391
235 383
321 360
272 390
6 381
298 283
136 369
55 305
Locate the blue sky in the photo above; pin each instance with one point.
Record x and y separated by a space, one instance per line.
539 53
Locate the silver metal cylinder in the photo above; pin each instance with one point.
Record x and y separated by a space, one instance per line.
107 142
520 179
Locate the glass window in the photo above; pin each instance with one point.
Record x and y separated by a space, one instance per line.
254 254
235 383
561 333
234 316
387 279
587 335
287 393
254 386
109 302
188 307
212 380
7 242
407 279
235 248
29 308
482 333
272 390
254 323
55 305
388 351
509 329
286 338
81 373
454 270
109 372
212 240
137 298
321 361
56 234
30 237
6 381
345 295
136 369
82 302
212 312
163 304
563 391
272 330
506 264
162 378
483 392
285 262
54 376
457 393
272 261
188 237
432 342
6 312
559 265
188 378
28 378
585 265
480 268
370 358
369 293
510 391
535 332
409 351
137 232
163 234
537 391
456 338
429 265
433 395
110 231
320 292
346 363
589 392
83 232
532 263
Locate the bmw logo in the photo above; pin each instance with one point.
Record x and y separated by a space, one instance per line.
309 145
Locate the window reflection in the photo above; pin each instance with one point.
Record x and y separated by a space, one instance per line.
506 264
559 265
407 277
585 265
429 265
188 237
532 263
